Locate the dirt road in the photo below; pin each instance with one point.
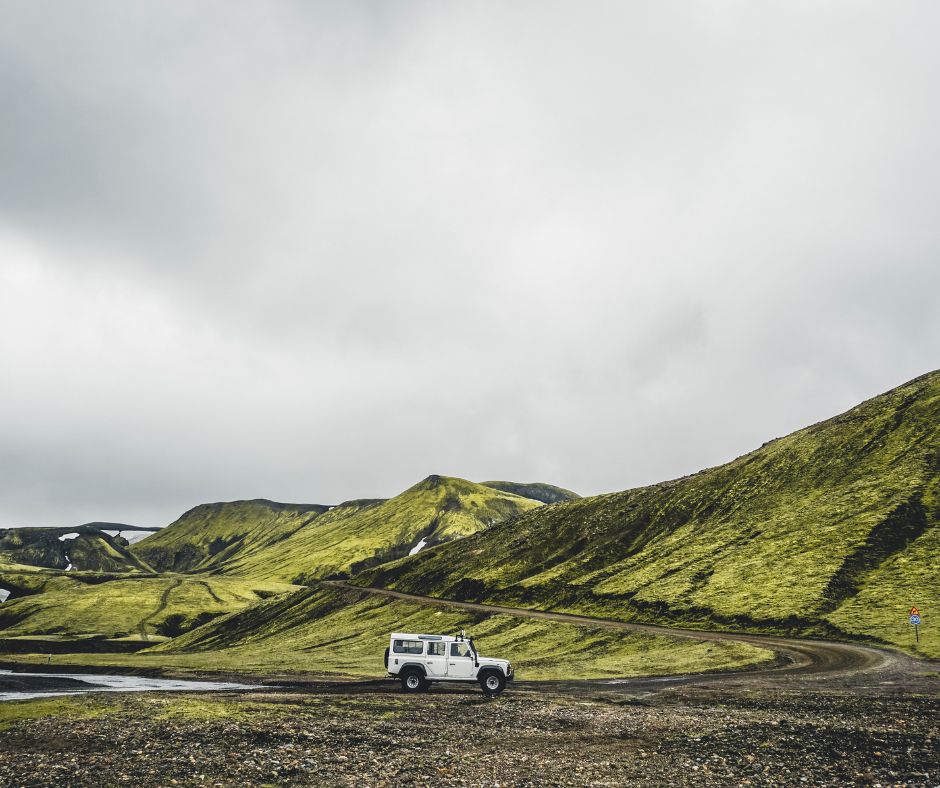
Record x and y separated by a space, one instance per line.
849 665
161 606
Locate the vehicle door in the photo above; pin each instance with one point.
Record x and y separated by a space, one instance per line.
460 661
435 659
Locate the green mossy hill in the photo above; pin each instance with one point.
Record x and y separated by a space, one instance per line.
831 530
76 605
296 543
359 534
27 580
537 491
84 547
208 535
337 631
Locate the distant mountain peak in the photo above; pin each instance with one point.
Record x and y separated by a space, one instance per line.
299 541
436 482
537 491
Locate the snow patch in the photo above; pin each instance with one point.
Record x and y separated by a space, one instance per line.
67 537
69 567
418 547
4 595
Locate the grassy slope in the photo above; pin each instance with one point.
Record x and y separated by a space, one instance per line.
41 547
546 493
244 547
71 605
257 539
832 528
346 539
208 535
329 630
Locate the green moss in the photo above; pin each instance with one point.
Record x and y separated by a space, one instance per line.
92 549
208 535
128 606
263 540
831 530
341 632
12 712
203 707
546 493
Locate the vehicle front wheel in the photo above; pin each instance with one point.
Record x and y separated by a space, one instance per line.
493 682
412 681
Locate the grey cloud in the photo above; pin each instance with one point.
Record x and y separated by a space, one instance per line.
317 251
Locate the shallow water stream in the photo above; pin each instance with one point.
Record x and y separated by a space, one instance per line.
94 682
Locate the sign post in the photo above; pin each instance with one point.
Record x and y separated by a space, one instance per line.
915 622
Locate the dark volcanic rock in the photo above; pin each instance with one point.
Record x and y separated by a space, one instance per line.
460 738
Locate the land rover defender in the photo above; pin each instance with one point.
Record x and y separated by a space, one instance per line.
418 660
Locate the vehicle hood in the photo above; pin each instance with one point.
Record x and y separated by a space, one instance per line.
498 663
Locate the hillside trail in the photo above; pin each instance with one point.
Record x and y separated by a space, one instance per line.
799 662
161 606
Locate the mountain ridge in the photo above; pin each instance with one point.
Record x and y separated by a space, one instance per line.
291 542
802 534
831 530
538 491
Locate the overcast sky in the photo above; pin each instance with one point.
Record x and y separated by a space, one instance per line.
317 251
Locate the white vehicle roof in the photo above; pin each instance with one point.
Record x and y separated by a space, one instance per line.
416 636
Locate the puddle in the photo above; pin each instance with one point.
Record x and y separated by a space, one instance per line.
100 682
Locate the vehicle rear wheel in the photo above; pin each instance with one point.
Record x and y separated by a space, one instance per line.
412 681
493 682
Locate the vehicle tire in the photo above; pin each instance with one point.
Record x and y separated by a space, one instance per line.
386 659
412 680
492 682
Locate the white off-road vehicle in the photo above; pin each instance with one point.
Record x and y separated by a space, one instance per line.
418 660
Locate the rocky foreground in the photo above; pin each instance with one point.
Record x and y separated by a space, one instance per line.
699 737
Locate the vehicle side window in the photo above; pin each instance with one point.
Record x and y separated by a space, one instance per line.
408 647
437 649
459 650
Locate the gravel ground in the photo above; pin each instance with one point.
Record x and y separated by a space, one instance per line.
691 736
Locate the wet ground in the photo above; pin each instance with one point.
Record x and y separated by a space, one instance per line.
23 686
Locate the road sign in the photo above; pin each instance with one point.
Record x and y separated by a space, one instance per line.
914 619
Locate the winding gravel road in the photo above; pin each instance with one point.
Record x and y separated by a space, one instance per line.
850 665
